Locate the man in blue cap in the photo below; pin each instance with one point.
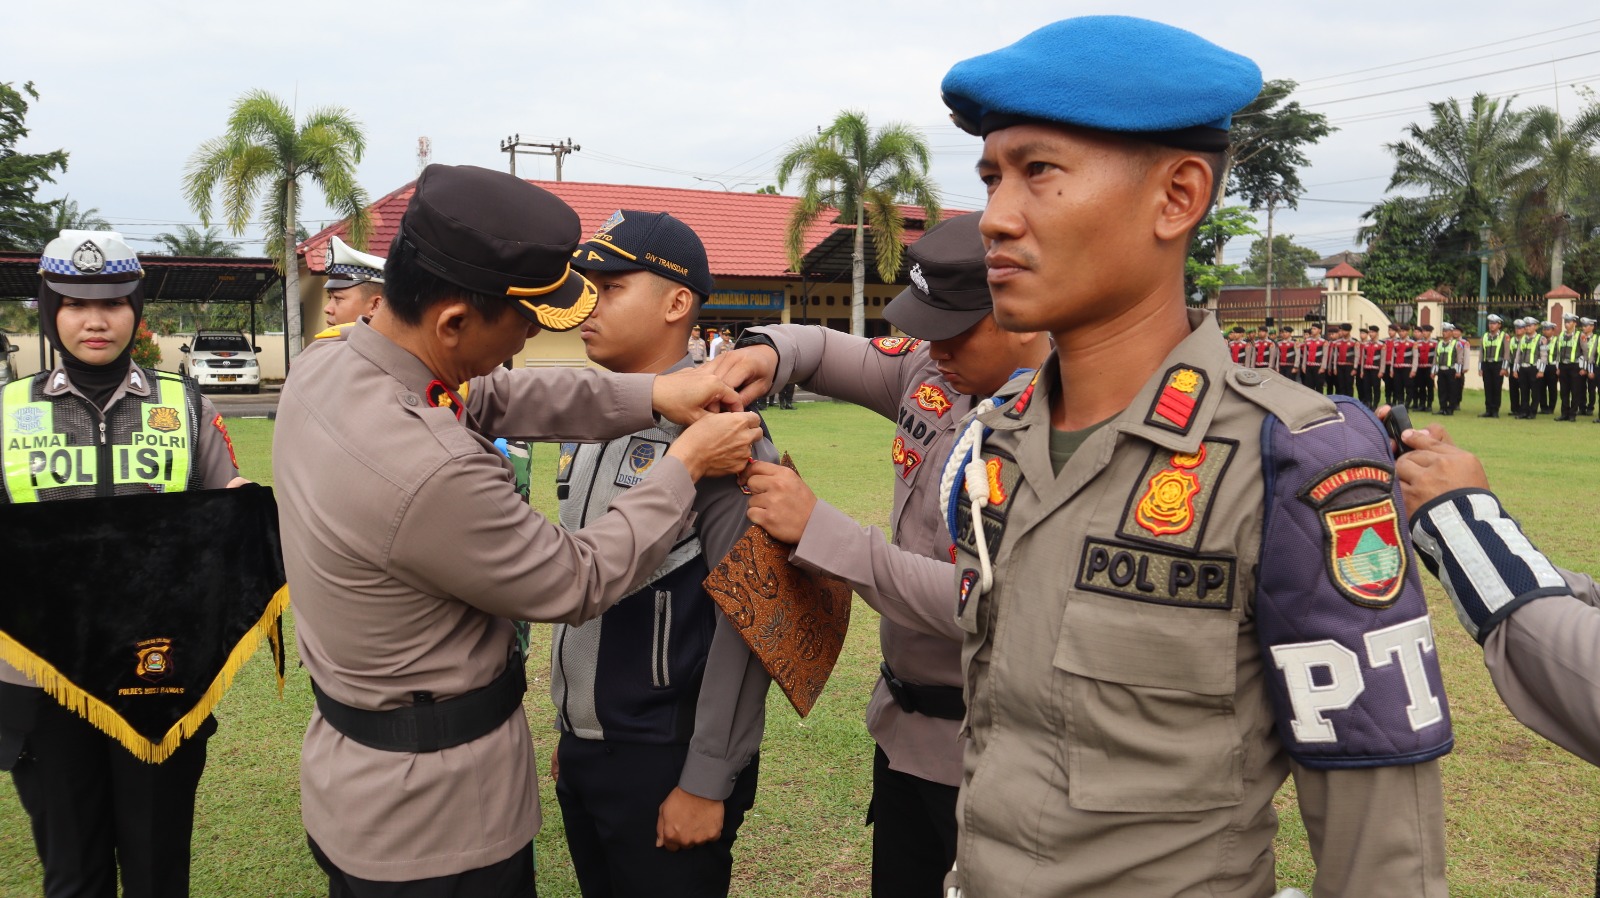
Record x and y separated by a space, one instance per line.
1180 581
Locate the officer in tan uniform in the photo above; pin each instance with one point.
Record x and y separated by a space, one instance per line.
926 382
1539 625
408 550
355 284
1180 581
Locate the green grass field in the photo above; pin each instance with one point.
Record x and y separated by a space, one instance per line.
1523 815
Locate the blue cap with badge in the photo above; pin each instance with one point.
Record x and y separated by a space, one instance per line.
1110 73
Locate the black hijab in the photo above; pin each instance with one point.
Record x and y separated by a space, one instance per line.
95 382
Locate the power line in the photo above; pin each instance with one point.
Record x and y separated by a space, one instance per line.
1457 62
1400 90
1402 62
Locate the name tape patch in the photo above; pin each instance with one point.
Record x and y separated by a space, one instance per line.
1156 576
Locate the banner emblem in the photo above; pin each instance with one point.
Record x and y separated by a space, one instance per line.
155 660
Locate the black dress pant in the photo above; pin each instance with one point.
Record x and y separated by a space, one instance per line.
913 832
1449 391
1422 389
1370 388
1315 379
610 795
1568 375
1491 387
1529 380
1344 381
94 806
510 878
1549 386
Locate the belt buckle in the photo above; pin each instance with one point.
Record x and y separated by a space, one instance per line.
897 689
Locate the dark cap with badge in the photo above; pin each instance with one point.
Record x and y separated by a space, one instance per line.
949 290
495 234
1110 73
656 242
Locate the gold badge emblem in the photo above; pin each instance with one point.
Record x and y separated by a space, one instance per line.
155 660
164 419
1185 380
997 490
933 399
1168 504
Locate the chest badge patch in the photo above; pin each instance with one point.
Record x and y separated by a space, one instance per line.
1168 503
933 399
1361 526
640 457
1172 498
28 419
896 345
905 458
997 486
1176 401
163 418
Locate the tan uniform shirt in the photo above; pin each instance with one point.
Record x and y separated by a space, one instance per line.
1122 740
908 582
407 548
1542 661
213 451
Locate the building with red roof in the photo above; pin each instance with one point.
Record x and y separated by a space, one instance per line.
745 236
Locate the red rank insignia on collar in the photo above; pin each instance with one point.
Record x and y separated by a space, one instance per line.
1179 396
441 396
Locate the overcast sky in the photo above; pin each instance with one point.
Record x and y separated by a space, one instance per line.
670 93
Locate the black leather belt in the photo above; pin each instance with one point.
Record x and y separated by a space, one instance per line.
427 725
943 702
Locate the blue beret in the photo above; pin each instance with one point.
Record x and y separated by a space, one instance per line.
1111 73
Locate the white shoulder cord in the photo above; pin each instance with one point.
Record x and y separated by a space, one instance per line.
966 461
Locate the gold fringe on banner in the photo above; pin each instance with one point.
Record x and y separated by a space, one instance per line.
72 696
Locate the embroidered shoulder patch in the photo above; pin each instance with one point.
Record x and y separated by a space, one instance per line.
441 396
1172 498
896 345
1174 405
1361 530
931 398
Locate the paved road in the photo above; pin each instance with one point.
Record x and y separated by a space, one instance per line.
244 405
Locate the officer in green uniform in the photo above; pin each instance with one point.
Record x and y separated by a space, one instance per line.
99 425
1491 366
1567 357
1172 573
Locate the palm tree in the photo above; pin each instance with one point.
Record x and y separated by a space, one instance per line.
864 174
265 148
1468 164
1563 161
191 241
69 217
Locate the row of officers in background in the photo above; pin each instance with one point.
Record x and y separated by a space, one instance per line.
1546 368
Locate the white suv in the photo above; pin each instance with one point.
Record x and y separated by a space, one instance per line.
221 359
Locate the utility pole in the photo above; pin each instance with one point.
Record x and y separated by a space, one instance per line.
1272 205
559 150
1483 278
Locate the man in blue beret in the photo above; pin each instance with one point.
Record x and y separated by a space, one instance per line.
1180 581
